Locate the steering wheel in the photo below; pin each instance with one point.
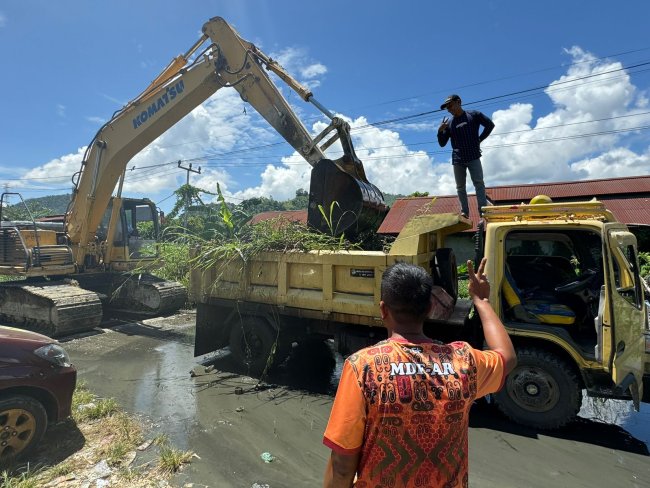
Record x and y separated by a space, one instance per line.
588 276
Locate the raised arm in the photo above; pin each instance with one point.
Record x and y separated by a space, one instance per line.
496 336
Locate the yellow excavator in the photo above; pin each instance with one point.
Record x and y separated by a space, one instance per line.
90 257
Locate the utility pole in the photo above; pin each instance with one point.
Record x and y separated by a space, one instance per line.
187 196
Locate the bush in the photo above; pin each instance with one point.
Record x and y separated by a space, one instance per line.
644 264
174 262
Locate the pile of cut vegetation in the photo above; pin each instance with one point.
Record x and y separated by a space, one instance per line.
275 235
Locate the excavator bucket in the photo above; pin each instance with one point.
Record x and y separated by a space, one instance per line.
340 203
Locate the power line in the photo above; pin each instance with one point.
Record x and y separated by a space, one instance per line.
133 179
516 75
526 92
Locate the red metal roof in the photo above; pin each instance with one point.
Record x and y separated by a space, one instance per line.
405 208
627 198
629 210
570 189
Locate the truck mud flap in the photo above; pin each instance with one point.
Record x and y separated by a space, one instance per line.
212 327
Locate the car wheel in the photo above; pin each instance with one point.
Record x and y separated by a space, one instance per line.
255 345
23 421
542 391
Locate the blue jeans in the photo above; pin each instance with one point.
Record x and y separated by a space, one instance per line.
476 173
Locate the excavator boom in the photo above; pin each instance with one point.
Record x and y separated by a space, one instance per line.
219 59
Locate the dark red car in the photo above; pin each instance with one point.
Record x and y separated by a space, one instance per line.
36 385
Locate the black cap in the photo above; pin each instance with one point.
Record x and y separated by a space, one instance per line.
450 98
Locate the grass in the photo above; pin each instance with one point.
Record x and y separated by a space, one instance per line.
4 278
278 235
87 406
123 435
109 434
26 479
463 288
172 459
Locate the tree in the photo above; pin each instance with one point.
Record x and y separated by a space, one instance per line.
187 196
255 205
299 202
21 212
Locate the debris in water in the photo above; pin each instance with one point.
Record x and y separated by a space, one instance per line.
267 457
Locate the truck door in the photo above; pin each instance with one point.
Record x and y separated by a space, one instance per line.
623 354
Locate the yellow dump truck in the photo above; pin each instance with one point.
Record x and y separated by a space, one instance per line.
565 281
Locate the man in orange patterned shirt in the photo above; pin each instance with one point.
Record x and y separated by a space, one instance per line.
401 413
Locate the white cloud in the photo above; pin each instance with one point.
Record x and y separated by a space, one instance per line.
62 167
298 64
119 103
526 147
389 164
60 110
3 20
217 126
553 147
615 163
218 136
313 70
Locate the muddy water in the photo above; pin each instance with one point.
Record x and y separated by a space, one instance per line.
231 422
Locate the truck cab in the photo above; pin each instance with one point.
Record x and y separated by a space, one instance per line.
566 284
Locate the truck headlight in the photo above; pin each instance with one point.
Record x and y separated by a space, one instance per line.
54 354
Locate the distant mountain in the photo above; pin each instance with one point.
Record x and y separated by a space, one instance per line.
58 204
48 205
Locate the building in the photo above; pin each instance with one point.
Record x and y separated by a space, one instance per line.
627 198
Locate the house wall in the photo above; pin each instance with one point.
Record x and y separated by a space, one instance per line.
463 246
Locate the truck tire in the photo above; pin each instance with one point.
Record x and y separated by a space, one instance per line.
22 424
542 391
446 272
255 344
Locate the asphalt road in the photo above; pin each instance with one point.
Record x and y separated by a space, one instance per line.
234 423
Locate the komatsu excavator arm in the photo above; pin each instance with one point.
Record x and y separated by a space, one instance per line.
94 251
228 61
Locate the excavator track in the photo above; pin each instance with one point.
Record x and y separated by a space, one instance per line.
138 295
52 308
149 296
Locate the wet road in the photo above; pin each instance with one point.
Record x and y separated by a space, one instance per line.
232 424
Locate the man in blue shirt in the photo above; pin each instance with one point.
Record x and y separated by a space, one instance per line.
466 148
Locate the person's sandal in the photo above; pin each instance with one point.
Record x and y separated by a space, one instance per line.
463 214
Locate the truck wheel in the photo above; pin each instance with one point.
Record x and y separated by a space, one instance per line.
22 424
254 344
446 272
542 391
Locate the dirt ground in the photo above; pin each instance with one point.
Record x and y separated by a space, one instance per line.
257 435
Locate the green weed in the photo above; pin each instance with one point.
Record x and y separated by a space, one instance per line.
172 459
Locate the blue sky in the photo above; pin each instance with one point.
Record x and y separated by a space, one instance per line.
565 82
